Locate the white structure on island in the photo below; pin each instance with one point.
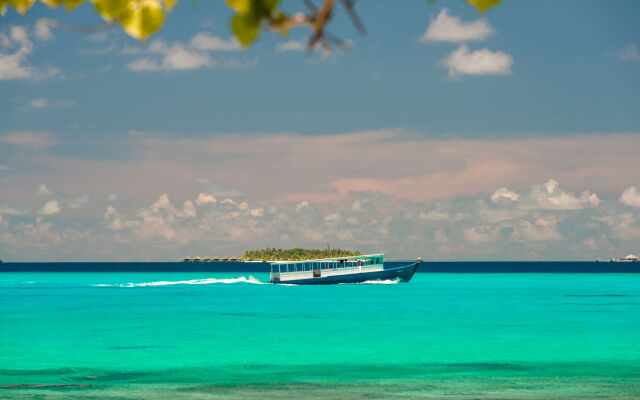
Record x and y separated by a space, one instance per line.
628 258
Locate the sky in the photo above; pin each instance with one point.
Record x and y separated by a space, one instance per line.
441 133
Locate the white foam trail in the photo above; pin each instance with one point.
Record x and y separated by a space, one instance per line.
384 282
207 281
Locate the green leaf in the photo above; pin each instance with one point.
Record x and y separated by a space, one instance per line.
483 5
240 6
52 3
21 5
169 4
111 9
246 27
270 5
143 18
71 4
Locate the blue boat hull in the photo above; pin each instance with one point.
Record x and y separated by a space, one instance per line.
404 274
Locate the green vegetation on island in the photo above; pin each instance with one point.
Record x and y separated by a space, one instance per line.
296 254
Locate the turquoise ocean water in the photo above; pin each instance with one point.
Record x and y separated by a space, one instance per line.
192 335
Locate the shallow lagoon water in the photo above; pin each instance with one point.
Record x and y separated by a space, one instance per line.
227 335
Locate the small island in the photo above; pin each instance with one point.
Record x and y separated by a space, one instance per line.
296 254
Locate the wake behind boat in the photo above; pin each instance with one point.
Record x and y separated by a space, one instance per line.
327 271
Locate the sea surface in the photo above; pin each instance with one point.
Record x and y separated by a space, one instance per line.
229 335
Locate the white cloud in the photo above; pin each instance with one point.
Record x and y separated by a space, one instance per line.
27 139
334 217
143 64
541 230
79 201
43 102
42 30
50 207
631 196
39 236
479 62
446 28
204 41
628 53
482 234
39 103
504 193
13 64
624 225
440 215
178 56
205 198
550 196
188 209
9 209
162 230
43 190
173 57
112 197
361 205
112 217
161 220
451 193
97 37
291 45
218 189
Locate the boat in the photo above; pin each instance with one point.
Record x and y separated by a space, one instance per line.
327 271
627 258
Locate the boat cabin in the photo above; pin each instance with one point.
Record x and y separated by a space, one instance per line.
282 271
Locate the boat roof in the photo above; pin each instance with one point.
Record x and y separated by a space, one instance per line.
329 259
